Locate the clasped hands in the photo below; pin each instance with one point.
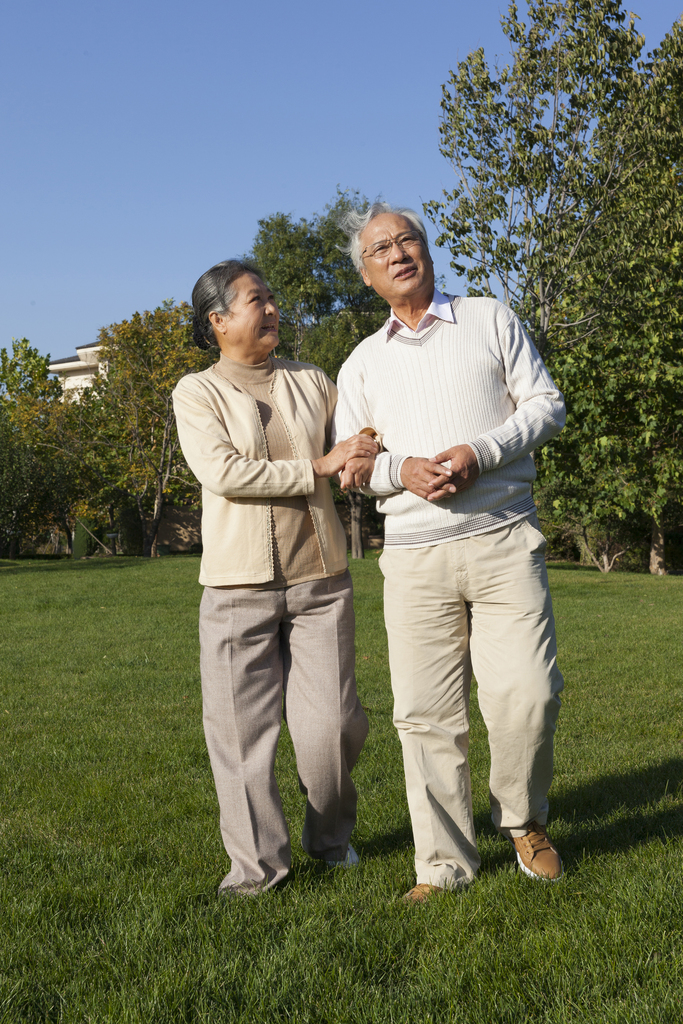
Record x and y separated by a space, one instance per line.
456 469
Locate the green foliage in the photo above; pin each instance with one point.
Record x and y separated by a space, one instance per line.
24 376
121 431
111 850
17 495
325 308
620 457
37 489
568 201
564 163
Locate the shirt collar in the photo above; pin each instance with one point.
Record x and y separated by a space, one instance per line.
440 309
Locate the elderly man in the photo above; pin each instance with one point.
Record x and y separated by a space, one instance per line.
459 397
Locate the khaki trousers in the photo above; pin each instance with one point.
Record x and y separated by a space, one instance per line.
260 649
480 603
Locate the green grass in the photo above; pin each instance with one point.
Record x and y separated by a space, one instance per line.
111 852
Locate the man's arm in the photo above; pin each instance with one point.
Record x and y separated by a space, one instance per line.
540 411
540 415
351 416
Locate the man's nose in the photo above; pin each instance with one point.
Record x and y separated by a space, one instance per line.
397 254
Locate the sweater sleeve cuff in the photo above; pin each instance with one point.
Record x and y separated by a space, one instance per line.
486 452
386 476
395 465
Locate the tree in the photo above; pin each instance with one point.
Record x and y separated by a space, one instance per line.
621 454
15 484
37 491
325 307
568 201
543 154
145 358
121 431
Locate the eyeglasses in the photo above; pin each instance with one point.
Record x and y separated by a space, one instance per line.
380 250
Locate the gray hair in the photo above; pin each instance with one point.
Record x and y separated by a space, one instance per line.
215 292
354 224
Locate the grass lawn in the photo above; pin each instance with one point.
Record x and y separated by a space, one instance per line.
111 851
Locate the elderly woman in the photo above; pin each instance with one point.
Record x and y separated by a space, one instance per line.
276 619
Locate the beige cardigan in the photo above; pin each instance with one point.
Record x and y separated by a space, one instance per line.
224 443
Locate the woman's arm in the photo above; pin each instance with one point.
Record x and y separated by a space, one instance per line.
218 465
214 460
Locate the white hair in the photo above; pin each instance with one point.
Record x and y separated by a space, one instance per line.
354 224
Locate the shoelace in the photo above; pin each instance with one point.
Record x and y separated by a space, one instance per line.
537 841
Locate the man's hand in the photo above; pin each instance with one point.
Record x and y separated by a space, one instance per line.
356 473
464 470
430 479
426 479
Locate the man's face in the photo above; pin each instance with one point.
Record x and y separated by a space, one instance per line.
402 273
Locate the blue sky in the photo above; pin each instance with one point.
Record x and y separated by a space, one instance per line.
142 141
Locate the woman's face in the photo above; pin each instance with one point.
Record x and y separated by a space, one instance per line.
250 331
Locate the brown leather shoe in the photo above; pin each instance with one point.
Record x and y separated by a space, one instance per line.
536 855
421 893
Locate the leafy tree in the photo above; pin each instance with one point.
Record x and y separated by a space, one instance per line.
325 308
37 490
544 152
16 499
568 202
25 374
122 430
621 453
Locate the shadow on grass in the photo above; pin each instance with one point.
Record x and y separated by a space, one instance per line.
18 567
612 814
397 839
573 567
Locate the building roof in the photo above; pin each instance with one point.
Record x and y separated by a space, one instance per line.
69 359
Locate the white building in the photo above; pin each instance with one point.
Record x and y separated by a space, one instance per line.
79 371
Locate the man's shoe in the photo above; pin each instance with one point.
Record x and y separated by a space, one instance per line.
421 893
349 861
536 855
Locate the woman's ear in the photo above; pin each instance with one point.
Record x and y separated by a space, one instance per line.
217 322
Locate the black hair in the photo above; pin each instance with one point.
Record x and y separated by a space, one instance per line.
214 292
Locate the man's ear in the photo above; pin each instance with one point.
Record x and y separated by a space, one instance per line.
366 279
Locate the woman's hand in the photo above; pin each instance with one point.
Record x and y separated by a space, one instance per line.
357 473
360 446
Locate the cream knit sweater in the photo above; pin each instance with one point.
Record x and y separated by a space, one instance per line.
478 381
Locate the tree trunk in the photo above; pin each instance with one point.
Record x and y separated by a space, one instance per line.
657 563
112 524
13 547
150 531
150 527
69 537
355 501
149 539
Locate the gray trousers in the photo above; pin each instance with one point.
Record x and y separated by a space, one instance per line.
262 650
